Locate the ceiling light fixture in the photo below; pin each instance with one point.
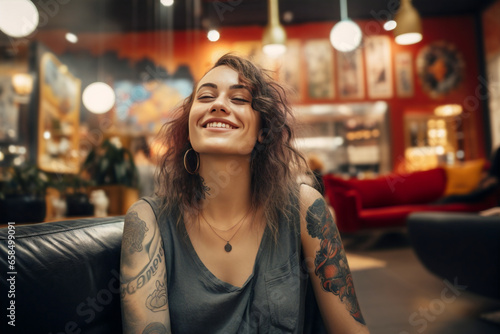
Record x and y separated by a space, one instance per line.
18 18
274 38
98 97
72 38
409 24
346 34
390 25
167 3
213 35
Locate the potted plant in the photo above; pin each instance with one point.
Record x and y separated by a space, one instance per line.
111 168
73 189
22 194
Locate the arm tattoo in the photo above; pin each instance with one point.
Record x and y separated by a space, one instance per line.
134 235
331 263
157 301
155 328
132 285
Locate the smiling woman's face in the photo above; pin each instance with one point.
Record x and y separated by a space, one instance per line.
221 120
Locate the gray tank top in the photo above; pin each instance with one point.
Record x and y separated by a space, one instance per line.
272 300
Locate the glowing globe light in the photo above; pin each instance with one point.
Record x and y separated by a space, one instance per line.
98 97
346 36
72 38
167 3
213 35
390 25
18 18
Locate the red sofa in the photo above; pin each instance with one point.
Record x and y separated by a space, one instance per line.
388 200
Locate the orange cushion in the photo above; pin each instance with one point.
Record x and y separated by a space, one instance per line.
463 178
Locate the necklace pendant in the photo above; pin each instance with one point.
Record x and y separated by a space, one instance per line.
228 247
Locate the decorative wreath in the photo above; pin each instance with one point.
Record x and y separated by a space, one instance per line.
440 68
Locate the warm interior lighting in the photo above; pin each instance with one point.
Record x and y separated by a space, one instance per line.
22 83
274 37
72 38
390 25
409 38
213 35
167 3
18 18
345 35
448 110
409 25
98 97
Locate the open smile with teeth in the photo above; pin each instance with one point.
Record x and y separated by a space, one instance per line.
219 125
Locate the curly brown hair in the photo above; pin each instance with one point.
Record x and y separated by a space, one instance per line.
275 163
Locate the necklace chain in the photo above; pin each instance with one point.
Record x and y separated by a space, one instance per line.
228 229
228 246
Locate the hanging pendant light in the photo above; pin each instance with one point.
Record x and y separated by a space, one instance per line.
99 97
274 38
213 35
409 25
346 34
18 18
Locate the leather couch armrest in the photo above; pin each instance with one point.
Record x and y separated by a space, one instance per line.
66 276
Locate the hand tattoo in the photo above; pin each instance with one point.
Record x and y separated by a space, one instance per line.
133 236
331 263
157 301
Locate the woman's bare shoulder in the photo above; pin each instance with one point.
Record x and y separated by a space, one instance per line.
141 214
308 195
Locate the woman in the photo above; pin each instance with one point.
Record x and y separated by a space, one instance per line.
229 244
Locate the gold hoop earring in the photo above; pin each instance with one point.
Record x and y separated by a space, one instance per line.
186 163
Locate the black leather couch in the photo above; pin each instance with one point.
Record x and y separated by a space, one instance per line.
459 246
66 277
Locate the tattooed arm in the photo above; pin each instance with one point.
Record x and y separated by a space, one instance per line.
327 265
143 275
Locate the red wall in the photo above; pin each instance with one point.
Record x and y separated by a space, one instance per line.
491 29
171 49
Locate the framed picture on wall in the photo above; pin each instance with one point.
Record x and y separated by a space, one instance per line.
319 69
142 107
378 66
289 69
58 117
404 74
351 82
